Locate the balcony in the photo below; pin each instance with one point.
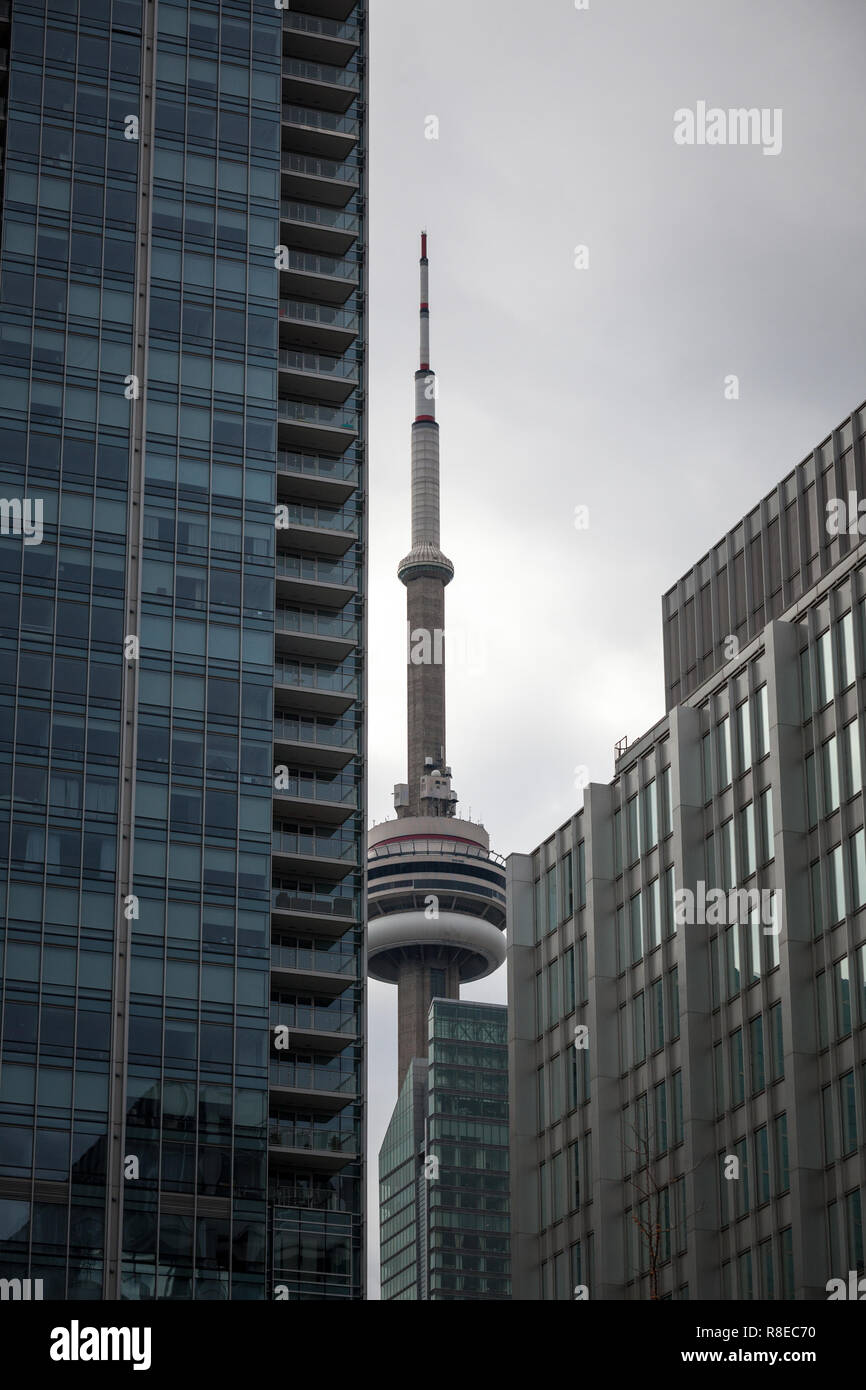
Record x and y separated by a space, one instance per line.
313 1087
307 632
303 968
338 1019
329 800
321 39
327 279
319 426
327 530
325 688
310 131
300 906
320 476
327 1149
305 580
307 849
329 181
319 84
331 9
331 230
326 326
320 742
310 1198
328 377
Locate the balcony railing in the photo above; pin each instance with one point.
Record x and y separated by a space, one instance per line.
336 417
342 170
338 470
328 121
299 898
334 266
311 675
315 732
317 571
303 1077
328 315
300 1137
335 219
312 786
435 846
348 77
337 962
311 1018
330 28
316 1198
345 368
316 624
309 844
321 518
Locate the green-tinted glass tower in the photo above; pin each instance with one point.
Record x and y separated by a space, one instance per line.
182 533
444 1163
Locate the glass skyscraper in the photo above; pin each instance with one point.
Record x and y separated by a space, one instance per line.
182 577
443 1165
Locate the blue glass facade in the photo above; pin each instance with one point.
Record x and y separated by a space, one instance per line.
181 680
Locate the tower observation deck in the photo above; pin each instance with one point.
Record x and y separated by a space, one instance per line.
436 891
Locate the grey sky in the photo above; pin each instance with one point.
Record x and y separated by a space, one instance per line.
602 387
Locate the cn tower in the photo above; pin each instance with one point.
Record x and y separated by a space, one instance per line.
436 891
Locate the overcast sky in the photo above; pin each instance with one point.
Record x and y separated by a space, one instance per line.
601 387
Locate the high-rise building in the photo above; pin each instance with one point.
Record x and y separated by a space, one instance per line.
444 1163
182 741
436 891
687 955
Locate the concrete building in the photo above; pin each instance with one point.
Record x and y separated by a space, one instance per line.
436 891
182 735
687 955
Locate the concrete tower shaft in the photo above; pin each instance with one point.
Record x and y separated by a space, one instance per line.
436 891
426 572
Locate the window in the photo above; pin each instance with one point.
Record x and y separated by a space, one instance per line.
638 1011
633 824
636 928
842 997
657 1013
744 738
847 668
836 871
857 847
786 1262
830 763
541 1106
756 1054
756 932
568 981
851 737
780 1144
729 863
677 1128
674 996
660 1106
732 958
654 914
567 886
617 842
552 918
650 816
747 840
724 749
825 669
762 1166
719 1077
738 1080
742 1197
707 764
829 1124
847 1113
670 915
574 1172
540 1004
823 1020
762 722
815 897
554 994
765 816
